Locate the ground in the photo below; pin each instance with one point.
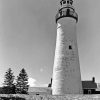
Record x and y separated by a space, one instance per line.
50 97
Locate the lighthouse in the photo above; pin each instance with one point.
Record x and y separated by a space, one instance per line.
66 69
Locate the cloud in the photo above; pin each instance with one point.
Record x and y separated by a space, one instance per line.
32 82
41 70
44 85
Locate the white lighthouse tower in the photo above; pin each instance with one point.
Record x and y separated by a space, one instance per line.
66 70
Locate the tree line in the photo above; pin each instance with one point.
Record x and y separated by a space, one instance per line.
20 86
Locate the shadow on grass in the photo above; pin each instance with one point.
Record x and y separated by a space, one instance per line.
11 98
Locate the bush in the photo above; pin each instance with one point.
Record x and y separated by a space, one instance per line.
8 90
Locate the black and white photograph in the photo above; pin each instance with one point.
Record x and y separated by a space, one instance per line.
49 50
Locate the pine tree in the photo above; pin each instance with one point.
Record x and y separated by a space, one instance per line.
9 82
22 82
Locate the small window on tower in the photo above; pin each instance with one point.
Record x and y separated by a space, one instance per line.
68 10
71 2
70 47
64 2
61 3
67 2
60 13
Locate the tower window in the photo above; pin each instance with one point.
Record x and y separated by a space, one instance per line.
64 2
70 47
61 3
37 93
71 2
68 10
67 2
60 13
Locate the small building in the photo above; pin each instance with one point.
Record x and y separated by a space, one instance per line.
89 87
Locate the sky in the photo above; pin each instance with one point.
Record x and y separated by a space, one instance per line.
28 38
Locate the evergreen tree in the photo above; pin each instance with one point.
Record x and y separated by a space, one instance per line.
22 82
9 86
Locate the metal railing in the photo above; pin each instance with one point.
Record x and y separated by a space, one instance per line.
66 13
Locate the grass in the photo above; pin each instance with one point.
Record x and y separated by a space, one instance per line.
48 97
